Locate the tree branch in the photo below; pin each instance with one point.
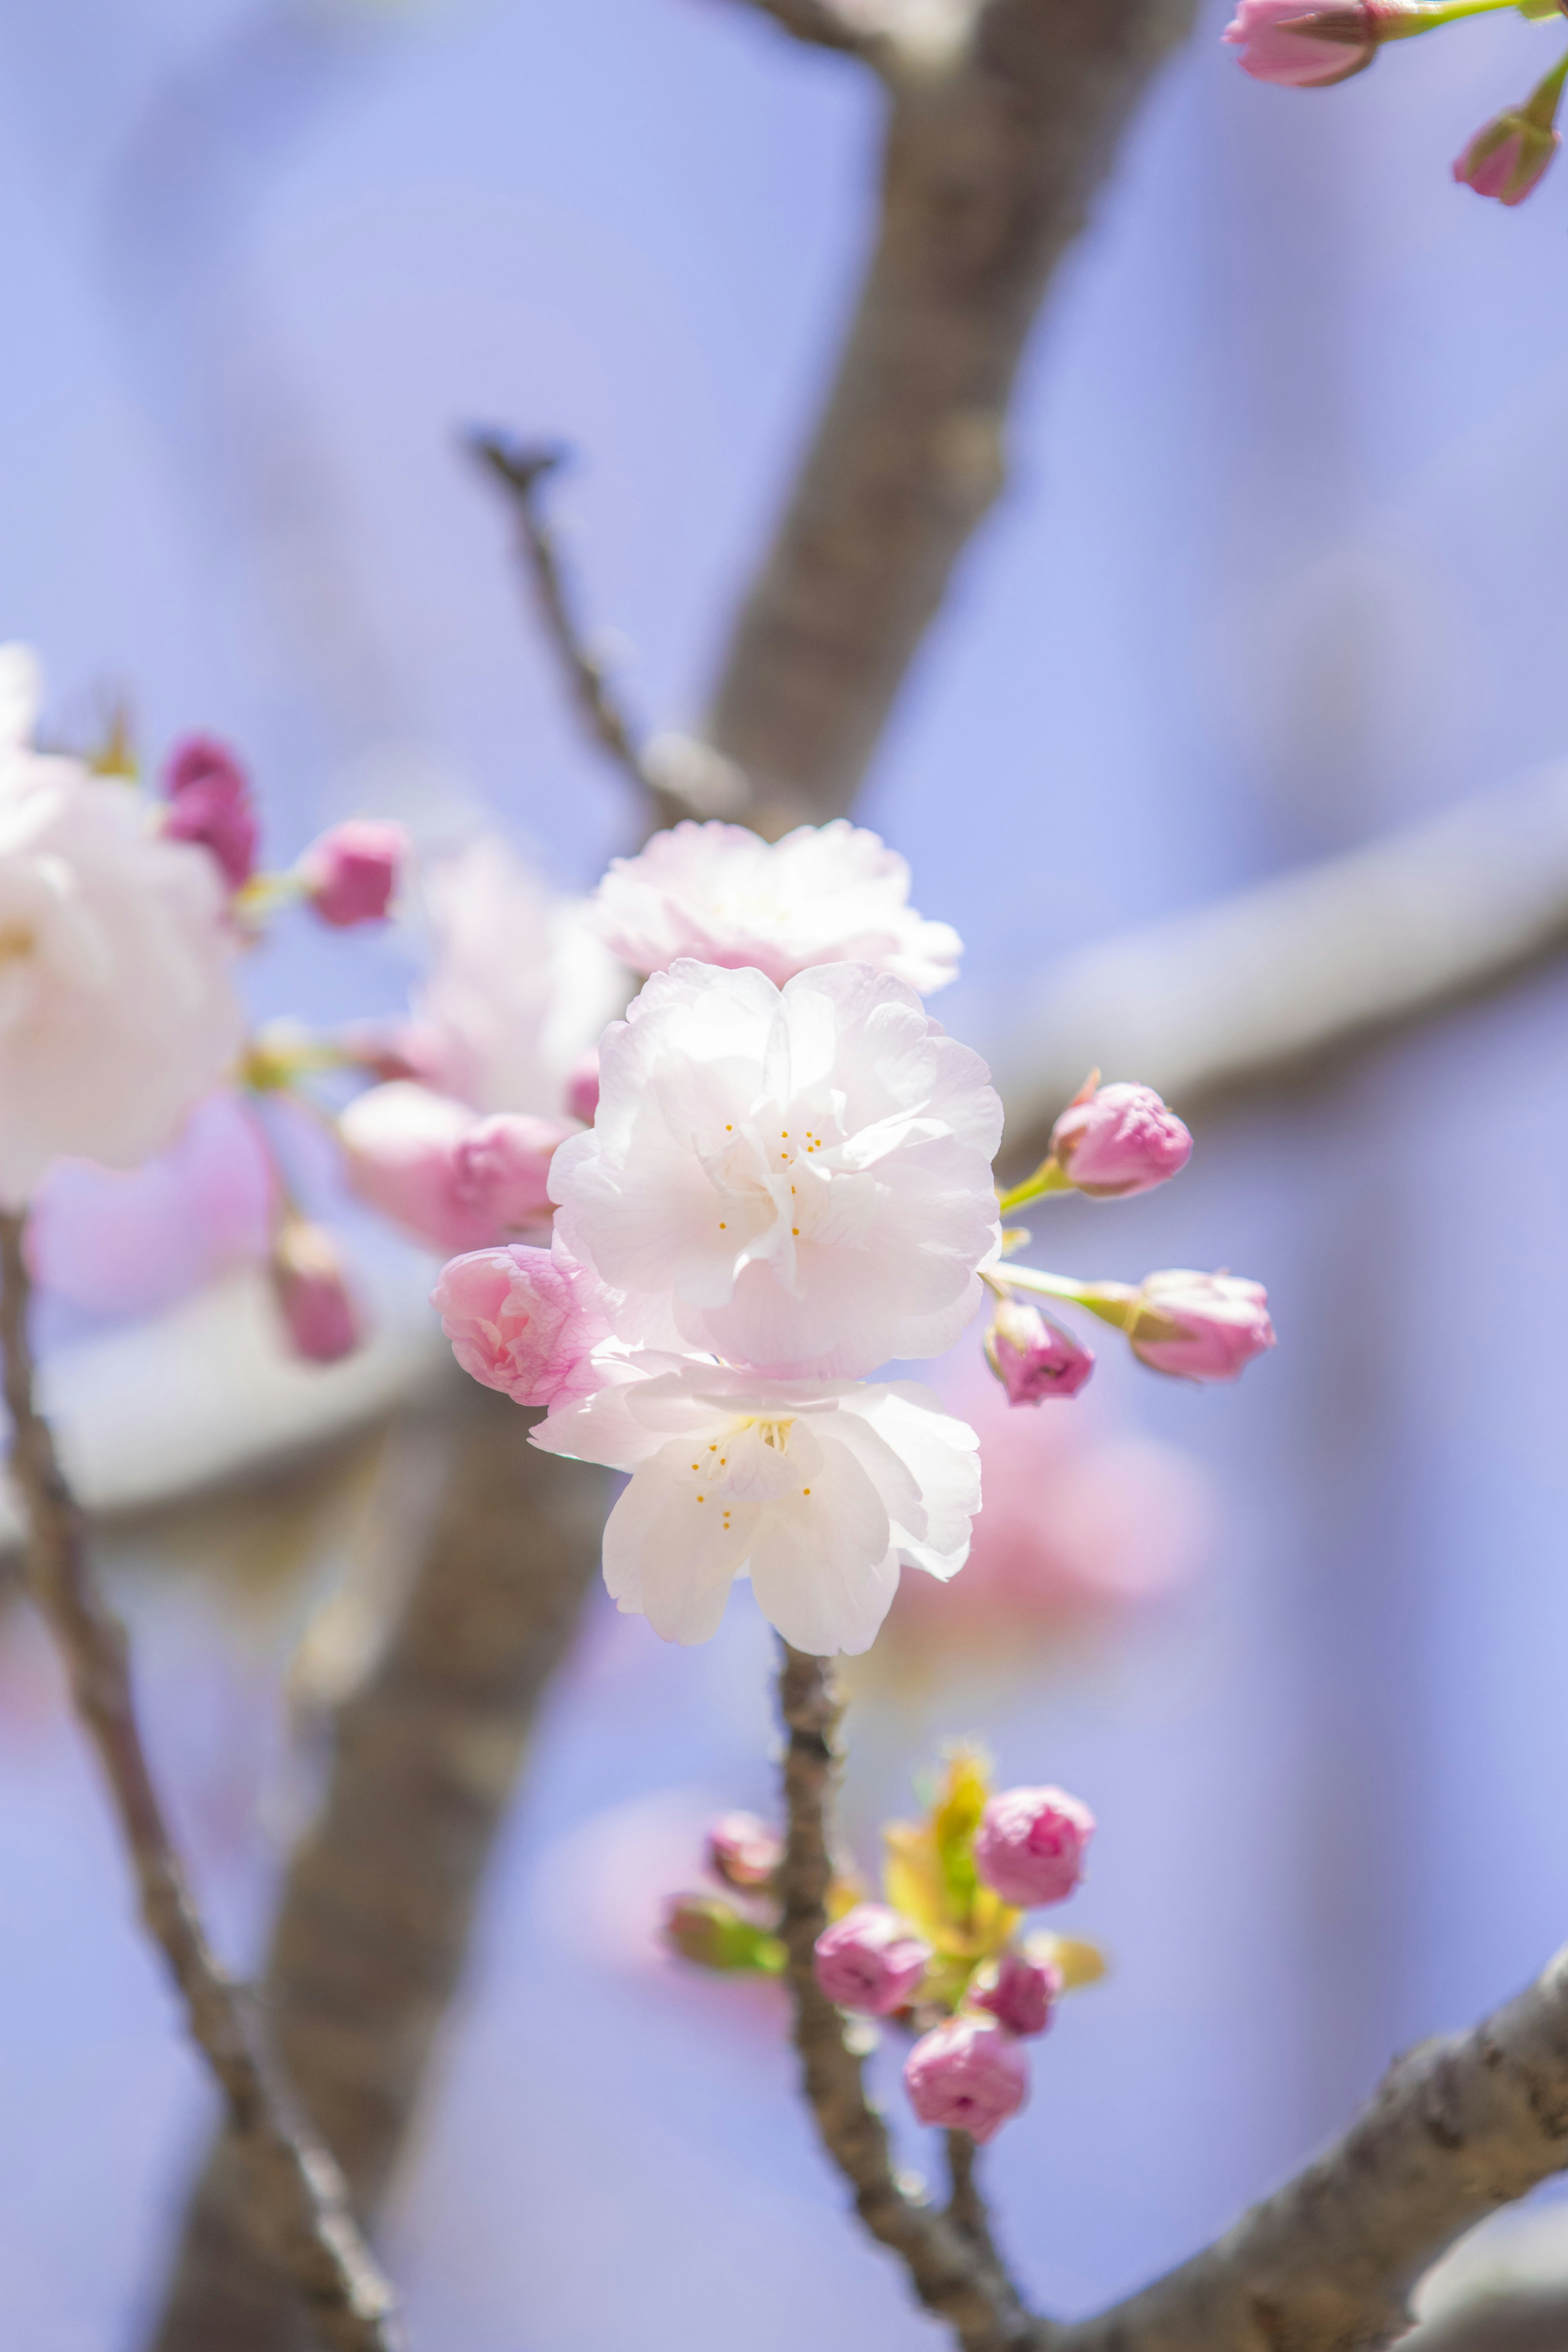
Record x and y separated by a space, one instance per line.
992 158
1526 2320
293 2189
380 1895
950 2266
819 23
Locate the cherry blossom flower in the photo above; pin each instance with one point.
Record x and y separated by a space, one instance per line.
117 1010
807 1171
524 1321
967 2074
1031 1844
824 1489
721 895
1120 1139
870 1961
1221 1323
448 1177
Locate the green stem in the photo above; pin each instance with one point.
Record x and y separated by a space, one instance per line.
1048 1177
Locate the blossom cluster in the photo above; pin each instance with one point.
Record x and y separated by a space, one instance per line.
1311 43
945 1957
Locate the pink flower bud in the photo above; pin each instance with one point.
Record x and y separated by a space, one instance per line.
582 1092
1209 1327
968 2074
1508 157
1120 1139
743 1851
1031 1844
350 872
1022 1993
210 804
870 1961
713 1933
319 1314
1034 1358
523 1321
501 1170
1306 47
448 1177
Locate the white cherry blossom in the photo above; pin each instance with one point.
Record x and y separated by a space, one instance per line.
117 1008
806 1171
825 894
823 1489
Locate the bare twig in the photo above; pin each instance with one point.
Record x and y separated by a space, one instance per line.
952 2270
294 2191
994 149
380 1896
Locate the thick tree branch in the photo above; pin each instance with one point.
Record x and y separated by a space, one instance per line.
380 1895
950 2262
293 2193
992 159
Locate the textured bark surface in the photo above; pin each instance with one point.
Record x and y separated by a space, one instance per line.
380 1896
993 155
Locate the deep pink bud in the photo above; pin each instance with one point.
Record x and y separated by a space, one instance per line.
1031 1844
210 804
522 1321
968 2074
1306 47
1120 1139
1508 157
1022 1994
743 1851
318 1313
582 1092
351 874
1032 1358
1210 1325
870 1961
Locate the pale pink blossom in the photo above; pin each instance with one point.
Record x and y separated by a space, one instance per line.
446 1177
1120 1139
210 804
968 2074
127 1243
1223 1321
1019 1993
524 1321
1034 1358
320 1316
870 1961
518 990
1508 157
822 1489
1031 1844
117 1007
743 1851
721 895
352 874
1303 45
806 1171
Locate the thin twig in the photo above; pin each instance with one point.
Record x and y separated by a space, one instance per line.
297 2193
952 2273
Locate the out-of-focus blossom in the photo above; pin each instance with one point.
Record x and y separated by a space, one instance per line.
127 1243
1222 1323
1510 155
1019 1993
721 895
524 1321
448 1177
870 1961
210 804
1120 1139
352 874
967 2074
318 1313
518 990
824 1489
1034 1358
1306 47
807 1171
713 1933
1031 1844
117 1008
743 1851
581 1092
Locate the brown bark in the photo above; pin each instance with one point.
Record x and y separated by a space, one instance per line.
380 1896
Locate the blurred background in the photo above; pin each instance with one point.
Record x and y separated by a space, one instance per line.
1279 572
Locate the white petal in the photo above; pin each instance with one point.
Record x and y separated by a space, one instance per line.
672 1549
942 1454
821 1564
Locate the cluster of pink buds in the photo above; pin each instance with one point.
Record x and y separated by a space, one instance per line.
1303 45
349 876
1111 1142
